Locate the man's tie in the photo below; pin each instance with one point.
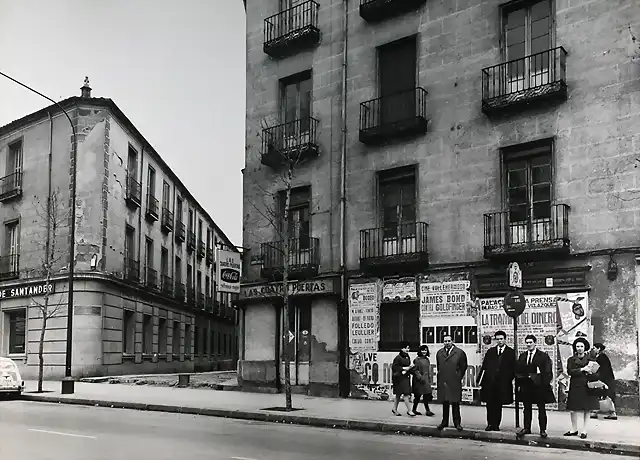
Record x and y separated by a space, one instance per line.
499 351
529 358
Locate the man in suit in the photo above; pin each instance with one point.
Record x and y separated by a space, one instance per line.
452 367
496 380
534 373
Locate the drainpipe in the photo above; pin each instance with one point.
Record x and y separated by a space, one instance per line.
343 312
142 204
47 246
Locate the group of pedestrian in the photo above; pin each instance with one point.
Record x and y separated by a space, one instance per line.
590 372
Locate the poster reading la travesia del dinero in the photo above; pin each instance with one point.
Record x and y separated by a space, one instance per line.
447 307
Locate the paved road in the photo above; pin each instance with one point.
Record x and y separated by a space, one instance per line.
42 431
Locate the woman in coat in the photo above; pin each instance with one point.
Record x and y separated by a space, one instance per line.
581 400
422 378
606 376
401 379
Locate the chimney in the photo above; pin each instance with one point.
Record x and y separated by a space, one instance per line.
86 89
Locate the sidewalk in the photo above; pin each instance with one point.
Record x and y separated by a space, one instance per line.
621 436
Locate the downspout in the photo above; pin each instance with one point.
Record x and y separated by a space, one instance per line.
343 312
49 186
142 199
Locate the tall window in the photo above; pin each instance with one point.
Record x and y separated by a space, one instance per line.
399 322
208 238
196 340
207 286
17 330
166 195
187 340
128 332
175 339
147 334
295 103
13 169
396 77
527 31
151 181
164 261
397 188
298 218
199 282
163 332
132 163
191 221
9 264
528 184
179 210
178 269
189 276
129 242
148 253
199 229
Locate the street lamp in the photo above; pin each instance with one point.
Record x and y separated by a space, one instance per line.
67 382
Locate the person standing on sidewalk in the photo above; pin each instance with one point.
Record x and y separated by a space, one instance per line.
496 380
534 373
581 399
401 378
452 368
607 376
421 381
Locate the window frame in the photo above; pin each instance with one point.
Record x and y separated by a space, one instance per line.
400 309
128 333
22 317
151 181
393 178
296 81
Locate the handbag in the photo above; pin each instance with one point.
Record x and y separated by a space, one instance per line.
597 385
606 405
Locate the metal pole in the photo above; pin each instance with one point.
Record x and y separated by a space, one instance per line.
515 350
67 382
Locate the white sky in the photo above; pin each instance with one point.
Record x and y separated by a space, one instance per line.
176 68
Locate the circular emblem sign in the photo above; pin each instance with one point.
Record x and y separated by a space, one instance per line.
514 303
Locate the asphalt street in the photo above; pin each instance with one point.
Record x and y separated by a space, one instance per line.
42 431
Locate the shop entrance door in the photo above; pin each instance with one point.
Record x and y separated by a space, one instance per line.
297 341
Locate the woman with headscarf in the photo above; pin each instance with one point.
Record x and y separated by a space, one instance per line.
581 399
606 376
401 370
421 381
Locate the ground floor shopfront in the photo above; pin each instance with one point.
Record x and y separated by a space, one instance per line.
117 329
588 296
311 345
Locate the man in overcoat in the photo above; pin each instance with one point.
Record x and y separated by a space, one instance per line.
452 368
496 380
534 374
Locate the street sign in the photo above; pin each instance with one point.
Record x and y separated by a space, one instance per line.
514 303
515 275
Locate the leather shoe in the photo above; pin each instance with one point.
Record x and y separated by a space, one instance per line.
459 427
488 428
543 434
441 427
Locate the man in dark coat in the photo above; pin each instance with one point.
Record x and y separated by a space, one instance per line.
496 380
534 374
452 367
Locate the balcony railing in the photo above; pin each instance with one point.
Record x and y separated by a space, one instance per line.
180 231
209 256
303 257
131 270
292 30
153 207
166 285
290 143
403 246
134 192
403 114
179 292
11 186
201 301
9 267
150 278
534 78
378 10
166 223
191 241
508 234
201 249
191 297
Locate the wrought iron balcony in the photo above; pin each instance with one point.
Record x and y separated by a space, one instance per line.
191 241
201 301
393 116
191 297
9 267
379 10
179 292
508 235
150 278
11 186
131 270
303 258
290 143
520 82
292 30
395 249
153 207
180 231
133 192
166 285
201 249
209 256
166 223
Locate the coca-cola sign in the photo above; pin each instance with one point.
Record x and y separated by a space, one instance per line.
229 271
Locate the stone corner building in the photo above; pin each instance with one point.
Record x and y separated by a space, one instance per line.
470 135
145 297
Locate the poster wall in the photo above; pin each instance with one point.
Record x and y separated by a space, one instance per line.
364 317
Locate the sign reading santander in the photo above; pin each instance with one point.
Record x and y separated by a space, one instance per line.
229 271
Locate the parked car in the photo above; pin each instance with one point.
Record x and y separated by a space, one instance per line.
10 380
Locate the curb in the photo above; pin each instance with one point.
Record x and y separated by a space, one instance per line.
360 425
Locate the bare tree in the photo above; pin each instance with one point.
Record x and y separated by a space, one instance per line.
52 217
286 157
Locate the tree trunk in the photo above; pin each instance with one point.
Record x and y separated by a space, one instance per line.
285 296
41 348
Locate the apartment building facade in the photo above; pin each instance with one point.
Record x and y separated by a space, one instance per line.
145 297
463 136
